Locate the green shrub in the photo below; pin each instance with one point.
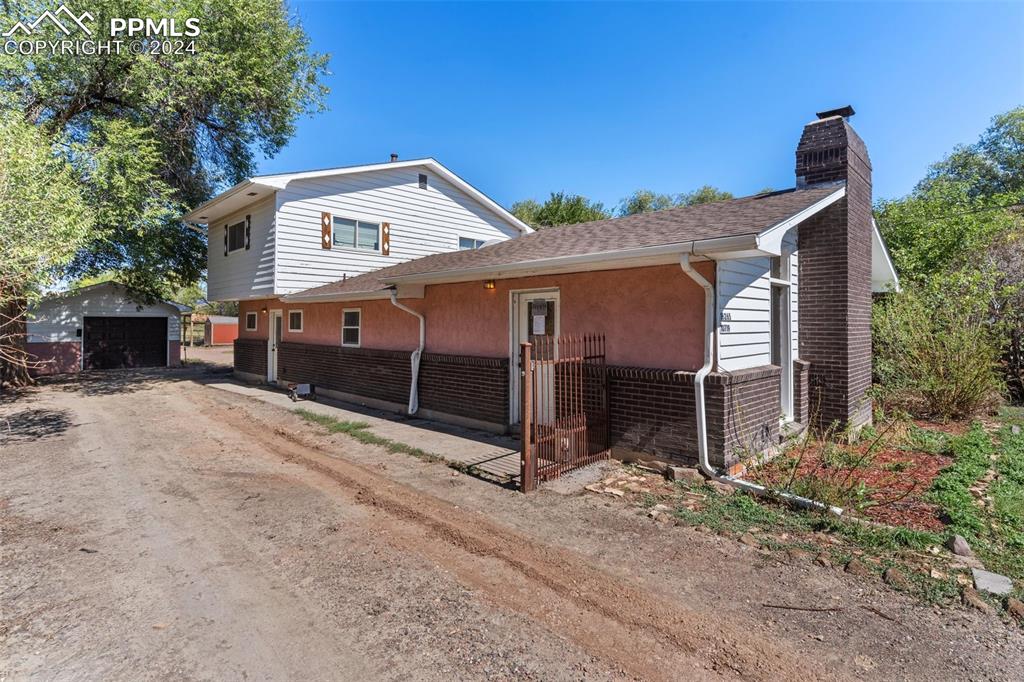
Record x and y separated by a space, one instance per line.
936 355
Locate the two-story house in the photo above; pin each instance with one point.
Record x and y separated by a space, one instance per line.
274 235
717 326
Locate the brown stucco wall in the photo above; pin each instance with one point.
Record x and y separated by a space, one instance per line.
651 317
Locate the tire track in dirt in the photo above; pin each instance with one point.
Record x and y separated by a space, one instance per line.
644 634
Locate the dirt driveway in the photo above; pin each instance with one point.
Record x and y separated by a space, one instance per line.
156 528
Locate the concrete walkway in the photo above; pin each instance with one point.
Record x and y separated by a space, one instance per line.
490 456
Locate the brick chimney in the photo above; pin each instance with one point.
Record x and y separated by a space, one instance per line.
835 272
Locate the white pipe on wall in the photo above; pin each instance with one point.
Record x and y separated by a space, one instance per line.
414 396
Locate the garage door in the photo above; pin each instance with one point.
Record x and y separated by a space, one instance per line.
116 342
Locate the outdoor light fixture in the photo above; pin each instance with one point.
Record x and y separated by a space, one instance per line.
263 310
488 284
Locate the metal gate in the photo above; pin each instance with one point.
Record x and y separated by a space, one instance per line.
564 411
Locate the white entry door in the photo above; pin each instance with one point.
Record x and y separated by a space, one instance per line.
535 314
276 332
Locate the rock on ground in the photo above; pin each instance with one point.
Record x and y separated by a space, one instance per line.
993 583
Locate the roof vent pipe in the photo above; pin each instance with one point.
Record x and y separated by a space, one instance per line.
394 157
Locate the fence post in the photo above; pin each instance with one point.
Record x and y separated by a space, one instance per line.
528 456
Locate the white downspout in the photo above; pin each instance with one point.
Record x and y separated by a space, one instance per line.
698 394
414 395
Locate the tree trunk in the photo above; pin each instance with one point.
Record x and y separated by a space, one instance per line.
14 359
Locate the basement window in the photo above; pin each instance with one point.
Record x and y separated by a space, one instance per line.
250 322
295 320
236 237
351 319
356 234
468 243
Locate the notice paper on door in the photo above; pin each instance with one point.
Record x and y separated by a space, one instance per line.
539 326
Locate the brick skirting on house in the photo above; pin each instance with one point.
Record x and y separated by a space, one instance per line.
251 356
801 391
653 411
472 387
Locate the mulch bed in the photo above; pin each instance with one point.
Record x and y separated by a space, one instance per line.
897 481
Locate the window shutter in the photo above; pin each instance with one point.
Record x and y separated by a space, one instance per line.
225 240
248 225
385 238
325 230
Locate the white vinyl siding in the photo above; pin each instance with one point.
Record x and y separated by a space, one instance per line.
744 295
57 318
744 313
423 222
246 273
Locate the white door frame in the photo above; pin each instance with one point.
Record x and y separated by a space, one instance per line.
272 344
517 298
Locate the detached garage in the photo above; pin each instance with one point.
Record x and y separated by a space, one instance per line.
220 330
100 327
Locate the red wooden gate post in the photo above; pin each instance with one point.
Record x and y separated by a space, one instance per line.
528 456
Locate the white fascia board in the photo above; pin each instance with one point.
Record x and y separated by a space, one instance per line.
300 297
770 241
883 272
281 180
604 260
229 201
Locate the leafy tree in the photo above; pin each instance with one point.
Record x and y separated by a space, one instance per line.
645 200
559 209
153 134
146 136
958 243
526 210
704 195
992 166
43 221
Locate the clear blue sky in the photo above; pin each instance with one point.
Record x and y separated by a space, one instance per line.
521 99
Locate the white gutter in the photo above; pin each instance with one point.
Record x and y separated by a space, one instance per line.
698 393
414 396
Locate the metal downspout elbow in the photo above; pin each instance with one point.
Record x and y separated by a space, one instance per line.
414 396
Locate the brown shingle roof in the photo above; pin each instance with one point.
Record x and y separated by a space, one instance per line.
736 217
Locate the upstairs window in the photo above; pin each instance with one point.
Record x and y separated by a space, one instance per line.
356 234
295 320
236 237
468 243
250 322
350 324
423 180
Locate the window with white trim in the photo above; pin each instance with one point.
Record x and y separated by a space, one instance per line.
295 320
468 243
250 322
351 319
356 234
236 236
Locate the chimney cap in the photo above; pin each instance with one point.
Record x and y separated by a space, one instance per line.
845 112
394 157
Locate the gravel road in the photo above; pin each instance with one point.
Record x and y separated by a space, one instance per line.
154 527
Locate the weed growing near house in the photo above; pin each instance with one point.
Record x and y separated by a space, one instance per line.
951 489
360 431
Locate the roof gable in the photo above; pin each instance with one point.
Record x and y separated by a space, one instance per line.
256 188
